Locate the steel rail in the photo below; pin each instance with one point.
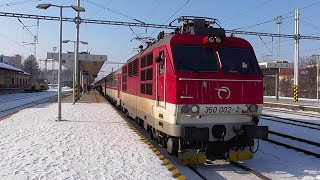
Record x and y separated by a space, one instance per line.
290 112
295 138
292 147
300 125
293 120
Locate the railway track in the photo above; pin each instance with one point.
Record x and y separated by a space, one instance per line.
304 141
235 164
305 124
15 109
22 97
294 122
291 112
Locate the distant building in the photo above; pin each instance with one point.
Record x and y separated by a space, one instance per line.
12 79
14 61
66 77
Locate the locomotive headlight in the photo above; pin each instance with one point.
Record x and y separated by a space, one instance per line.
218 39
253 108
211 39
245 108
184 109
195 109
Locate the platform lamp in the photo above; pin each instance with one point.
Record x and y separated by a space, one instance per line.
78 9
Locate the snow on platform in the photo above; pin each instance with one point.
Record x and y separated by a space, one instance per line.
93 142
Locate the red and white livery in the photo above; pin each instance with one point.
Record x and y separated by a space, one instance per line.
196 91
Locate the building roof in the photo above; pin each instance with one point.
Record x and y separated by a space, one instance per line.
9 67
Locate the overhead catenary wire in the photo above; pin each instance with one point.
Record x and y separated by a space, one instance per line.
183 5
111 10
103 7
254 8
17 3
284 16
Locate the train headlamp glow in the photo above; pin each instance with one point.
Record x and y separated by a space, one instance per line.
245 108
211 39
184 109
218 39
253 108
195 109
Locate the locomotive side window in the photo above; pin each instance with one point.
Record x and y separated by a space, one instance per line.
238 60
195 59
146 74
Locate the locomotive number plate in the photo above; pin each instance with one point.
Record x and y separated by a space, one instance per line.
222 110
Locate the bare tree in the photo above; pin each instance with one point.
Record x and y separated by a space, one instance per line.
286 85
307 80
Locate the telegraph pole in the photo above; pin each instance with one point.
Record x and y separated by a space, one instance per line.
296 56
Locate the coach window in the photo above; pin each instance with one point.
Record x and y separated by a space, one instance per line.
146 74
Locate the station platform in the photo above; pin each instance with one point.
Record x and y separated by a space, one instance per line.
92 141
93 97
288 103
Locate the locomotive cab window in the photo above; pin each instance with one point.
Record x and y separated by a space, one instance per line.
238 60
195 59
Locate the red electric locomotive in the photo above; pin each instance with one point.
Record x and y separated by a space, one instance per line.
196 91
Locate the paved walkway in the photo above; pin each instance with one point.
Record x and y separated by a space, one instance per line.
93 97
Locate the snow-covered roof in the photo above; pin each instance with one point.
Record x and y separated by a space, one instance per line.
9 67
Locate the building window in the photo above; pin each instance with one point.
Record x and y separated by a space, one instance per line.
12 81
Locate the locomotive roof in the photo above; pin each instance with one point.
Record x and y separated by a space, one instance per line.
165 40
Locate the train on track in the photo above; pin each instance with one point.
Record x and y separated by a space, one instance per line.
196 91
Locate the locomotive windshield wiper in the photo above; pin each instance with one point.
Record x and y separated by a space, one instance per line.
189 67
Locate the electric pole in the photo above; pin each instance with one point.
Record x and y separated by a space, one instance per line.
296 56
278 20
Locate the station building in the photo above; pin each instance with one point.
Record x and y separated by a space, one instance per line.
12 79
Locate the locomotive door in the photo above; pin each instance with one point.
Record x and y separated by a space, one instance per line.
161 79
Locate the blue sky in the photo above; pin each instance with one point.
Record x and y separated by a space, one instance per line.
115 41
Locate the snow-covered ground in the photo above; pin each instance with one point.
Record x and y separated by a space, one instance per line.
11 102
92 142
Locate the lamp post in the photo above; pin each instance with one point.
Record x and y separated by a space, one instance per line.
74 65
78 9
